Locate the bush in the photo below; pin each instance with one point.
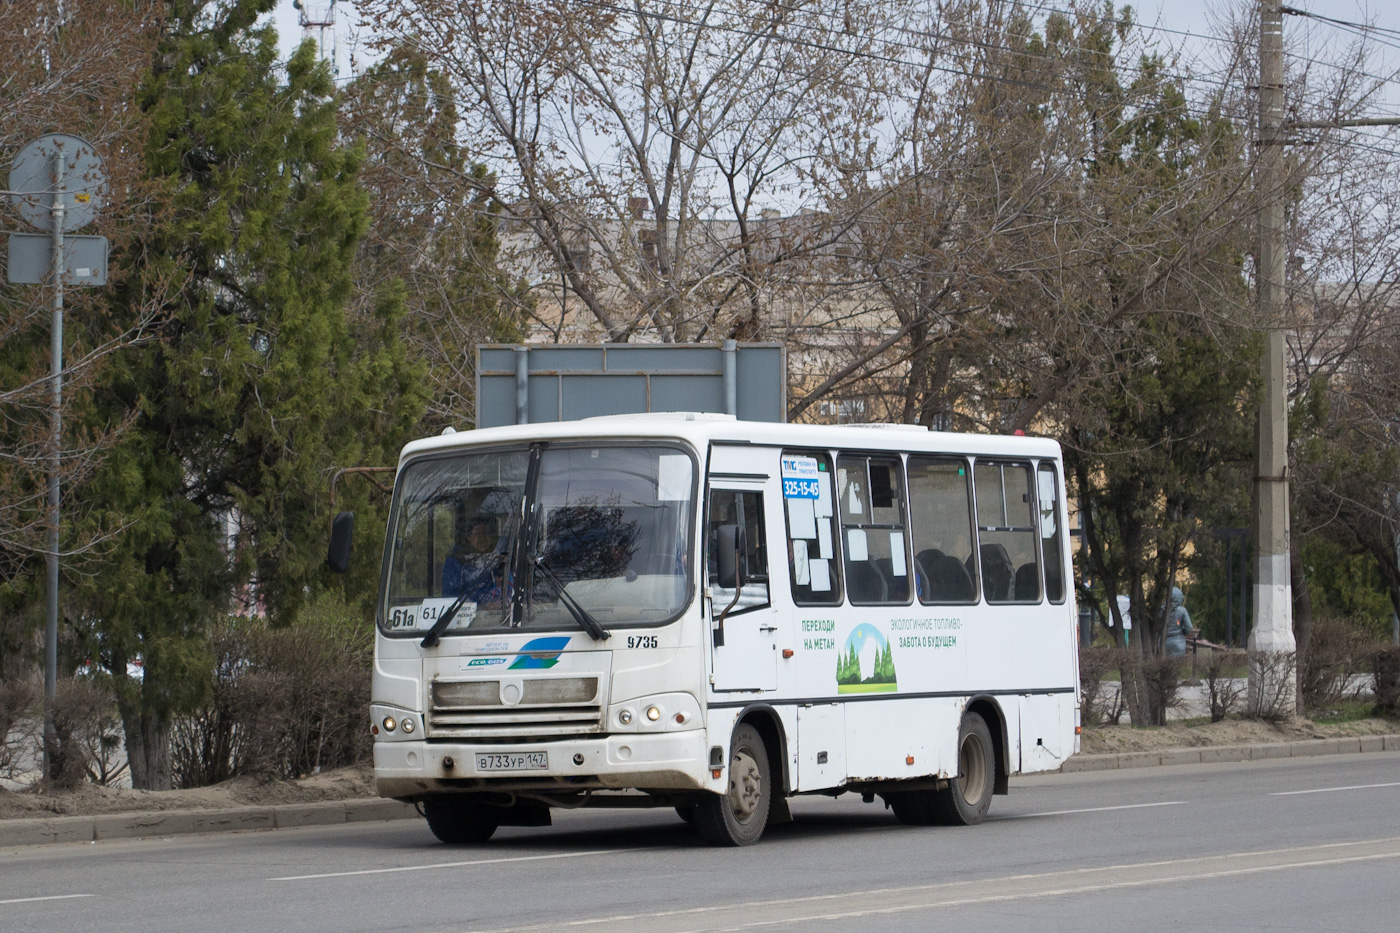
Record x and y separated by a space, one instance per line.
21 718
1161 677
1385 664
87 733
285 702
1098 705
1273 675
1339 652
1099 702
1219 670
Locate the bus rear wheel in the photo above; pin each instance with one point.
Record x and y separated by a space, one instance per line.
739 817
968 796
458 822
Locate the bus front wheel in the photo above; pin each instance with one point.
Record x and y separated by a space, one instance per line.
457 822
739 817
965 800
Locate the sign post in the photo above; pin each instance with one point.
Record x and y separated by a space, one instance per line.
58 183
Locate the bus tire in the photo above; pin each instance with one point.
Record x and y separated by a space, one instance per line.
913 807
458 822
966 799
739 817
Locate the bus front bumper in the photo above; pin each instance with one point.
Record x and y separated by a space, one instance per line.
663 761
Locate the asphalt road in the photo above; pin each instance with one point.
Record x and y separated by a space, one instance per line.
1299 844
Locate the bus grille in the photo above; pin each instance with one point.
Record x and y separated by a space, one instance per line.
553 706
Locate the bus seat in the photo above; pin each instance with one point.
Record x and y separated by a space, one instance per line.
865 583
948 581
1028 583
924 560
997 572
896 586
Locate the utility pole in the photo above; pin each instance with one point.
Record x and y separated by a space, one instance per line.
1272 649
55 454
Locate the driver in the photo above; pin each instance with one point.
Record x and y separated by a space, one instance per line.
473 568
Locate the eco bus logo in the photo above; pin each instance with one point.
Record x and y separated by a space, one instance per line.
540 652
866 664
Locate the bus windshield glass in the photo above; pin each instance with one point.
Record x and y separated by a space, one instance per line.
587 536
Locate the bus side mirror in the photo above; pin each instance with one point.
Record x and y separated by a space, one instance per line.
730 558
342 532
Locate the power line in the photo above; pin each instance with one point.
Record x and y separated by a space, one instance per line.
1365 27
1165 77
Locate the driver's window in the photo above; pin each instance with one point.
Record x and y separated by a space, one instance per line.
745 509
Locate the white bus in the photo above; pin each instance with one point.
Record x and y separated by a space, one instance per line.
684 610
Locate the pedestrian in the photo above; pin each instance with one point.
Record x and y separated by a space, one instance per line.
1179 626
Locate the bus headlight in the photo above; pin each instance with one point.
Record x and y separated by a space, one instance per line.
658 712
407 726
390 724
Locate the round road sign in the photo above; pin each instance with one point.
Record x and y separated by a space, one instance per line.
84 181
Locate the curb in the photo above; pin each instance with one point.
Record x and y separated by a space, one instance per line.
147 823
1212 754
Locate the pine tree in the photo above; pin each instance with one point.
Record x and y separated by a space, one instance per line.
257 386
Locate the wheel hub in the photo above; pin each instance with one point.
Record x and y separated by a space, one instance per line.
972 768
745 785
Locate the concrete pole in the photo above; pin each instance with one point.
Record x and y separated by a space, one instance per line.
730 351
522 385
1272 649
55 453
1395 619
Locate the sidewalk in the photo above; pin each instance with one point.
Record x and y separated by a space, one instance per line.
146 824
138 824
1211 754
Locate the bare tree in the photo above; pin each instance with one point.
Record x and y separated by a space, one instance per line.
434 230
69 68
636 148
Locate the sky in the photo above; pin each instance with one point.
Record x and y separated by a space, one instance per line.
1177 24
1174 17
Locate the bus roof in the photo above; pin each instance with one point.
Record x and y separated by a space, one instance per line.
703 428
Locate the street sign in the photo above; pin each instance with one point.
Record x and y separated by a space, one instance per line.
31 259
84 181
531 384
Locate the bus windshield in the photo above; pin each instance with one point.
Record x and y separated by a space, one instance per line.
590 536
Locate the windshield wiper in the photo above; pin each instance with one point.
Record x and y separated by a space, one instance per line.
580 614
434 634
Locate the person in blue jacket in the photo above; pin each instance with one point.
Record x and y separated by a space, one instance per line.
1179 626
474 566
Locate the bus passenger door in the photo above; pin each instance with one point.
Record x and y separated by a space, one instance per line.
745 648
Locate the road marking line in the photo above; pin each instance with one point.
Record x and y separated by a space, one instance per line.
1328 790
964 893
51 897
1048 892
438 865
1127 806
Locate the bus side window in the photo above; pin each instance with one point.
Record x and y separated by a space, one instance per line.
809 499
746 509
1051 540
1006 532
940 508
870 494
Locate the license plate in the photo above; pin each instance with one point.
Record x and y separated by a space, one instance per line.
518 761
